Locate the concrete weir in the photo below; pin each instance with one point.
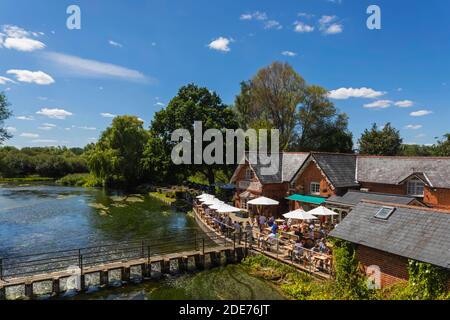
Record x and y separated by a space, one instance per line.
101 275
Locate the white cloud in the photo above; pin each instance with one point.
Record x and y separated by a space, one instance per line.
92 68
23 44
47 126
29 135
115 44
27 76
413 126
420 113
4 80
11 129
254 16
159 104
335 28
87 128
47 141
55 113
328 25
220 44
346 93
25 118
289 53
305 15
302 27
107 115
20 39
404 104
273 24
380 104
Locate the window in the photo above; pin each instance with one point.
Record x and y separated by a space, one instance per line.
244 204
315 188
384 213
248 174
415 187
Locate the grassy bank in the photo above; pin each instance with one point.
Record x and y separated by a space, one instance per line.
79 180
163 197
27 179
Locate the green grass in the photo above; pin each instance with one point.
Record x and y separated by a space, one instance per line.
80 180
27 179
163 197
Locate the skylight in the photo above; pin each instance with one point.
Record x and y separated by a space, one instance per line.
384 213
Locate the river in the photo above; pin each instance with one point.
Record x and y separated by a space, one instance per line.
41 218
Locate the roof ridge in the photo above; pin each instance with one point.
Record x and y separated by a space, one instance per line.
405 206
383 194
334 153
403 157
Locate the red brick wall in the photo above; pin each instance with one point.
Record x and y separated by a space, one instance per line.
438 198
393 268
312 174
384 188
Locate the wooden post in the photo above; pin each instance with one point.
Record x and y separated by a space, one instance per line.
82 282
199 262
104 278
29 290
182 264
125 274
2 293
165 266
229 256
56 289
146 269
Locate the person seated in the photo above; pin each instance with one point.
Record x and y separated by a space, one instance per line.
299 234
298 249
271 221
274 228
322 247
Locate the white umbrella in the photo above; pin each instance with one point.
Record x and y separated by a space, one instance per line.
211 201
299 214
228 209
205 196
216 205
263 201
322 211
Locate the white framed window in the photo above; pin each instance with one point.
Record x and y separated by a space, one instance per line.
244 204
415 187
248 174
314 188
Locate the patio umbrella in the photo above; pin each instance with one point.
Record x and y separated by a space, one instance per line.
228 209
204 196
263 201
216 205
211 201
299 214
322 211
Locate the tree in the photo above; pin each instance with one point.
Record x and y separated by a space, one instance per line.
279 98
272 95
117 157
384 142
321 127
5 113
191 104
443 147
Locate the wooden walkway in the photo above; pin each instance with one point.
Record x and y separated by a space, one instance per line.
281 254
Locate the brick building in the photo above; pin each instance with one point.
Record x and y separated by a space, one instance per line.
387 235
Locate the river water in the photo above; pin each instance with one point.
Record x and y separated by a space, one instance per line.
42 218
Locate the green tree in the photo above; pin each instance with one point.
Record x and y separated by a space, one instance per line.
5 113
443 146
415 150
384 142
117 157
321 127
278 97
191 104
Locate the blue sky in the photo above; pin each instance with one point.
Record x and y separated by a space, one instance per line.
131 58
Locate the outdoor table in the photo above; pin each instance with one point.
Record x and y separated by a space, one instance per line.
280 221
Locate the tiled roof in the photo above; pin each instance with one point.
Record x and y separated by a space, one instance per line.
394 170
353 197
412 232
339 168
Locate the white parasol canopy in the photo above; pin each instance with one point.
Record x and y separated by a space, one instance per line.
216 205
228 209
322 211
263 201
299 214
210 201
205 196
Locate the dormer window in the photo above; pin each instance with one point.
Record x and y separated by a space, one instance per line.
248 174
415 187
